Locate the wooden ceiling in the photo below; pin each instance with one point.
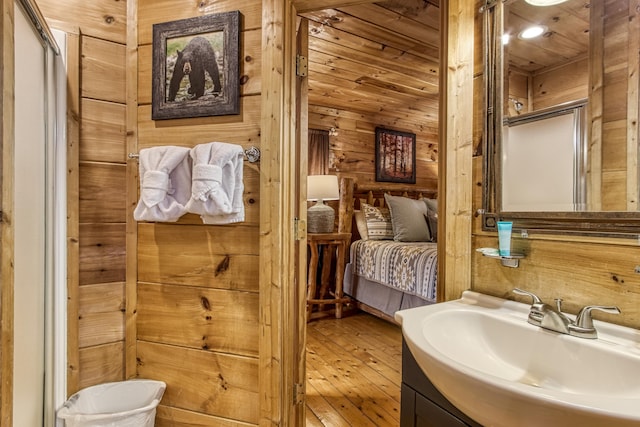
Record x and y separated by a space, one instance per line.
378 58
565 40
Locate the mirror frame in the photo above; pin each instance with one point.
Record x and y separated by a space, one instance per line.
605 224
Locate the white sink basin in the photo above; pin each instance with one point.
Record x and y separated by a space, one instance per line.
480 353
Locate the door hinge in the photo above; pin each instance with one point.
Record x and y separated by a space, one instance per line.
298 394
299 229
301 66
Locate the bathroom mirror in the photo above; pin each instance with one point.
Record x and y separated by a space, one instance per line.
561 115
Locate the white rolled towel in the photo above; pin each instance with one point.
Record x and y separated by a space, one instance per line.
165 184
217 183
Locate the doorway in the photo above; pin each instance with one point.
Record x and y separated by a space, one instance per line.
370 65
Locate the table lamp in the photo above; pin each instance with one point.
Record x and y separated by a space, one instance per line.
320 217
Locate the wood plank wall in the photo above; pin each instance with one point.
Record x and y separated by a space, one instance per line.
197 292
548 88
204 276
582 271
620 105
352 151
97 170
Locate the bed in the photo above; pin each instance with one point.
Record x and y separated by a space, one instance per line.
393 256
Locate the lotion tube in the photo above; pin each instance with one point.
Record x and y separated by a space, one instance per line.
504 237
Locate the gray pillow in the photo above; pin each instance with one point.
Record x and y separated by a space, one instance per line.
432 217
432 204
408 219
432 222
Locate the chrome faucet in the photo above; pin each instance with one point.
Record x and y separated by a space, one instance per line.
552 318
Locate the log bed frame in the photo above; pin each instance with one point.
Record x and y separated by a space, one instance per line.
351 195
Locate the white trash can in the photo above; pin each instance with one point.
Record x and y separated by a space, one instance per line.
130 403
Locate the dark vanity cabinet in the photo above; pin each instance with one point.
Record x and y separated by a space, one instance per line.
422 405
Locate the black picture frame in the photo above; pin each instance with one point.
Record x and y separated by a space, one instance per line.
395 156
187 54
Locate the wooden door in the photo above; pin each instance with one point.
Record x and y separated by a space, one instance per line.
301 148
283 169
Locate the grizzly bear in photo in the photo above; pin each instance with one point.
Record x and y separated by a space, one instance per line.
196 58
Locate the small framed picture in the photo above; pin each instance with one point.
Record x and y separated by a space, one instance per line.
395 156
195 67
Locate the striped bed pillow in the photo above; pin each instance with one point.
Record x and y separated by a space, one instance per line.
379 225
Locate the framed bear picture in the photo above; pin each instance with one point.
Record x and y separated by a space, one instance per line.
195 67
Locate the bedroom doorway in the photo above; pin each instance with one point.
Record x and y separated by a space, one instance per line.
330 25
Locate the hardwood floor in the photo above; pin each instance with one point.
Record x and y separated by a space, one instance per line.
353 372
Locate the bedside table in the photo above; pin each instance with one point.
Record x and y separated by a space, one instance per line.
331 243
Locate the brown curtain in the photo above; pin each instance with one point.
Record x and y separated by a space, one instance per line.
318 152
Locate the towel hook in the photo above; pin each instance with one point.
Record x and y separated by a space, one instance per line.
251 154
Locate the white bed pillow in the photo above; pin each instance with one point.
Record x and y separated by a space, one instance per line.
408 219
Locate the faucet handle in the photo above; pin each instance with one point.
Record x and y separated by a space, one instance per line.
558 304
535 298
584 319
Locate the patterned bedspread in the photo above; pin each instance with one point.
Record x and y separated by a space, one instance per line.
409 267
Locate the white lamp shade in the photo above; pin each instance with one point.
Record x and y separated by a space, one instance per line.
322 187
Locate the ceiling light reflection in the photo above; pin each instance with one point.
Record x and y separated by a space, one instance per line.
532 32
544 2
